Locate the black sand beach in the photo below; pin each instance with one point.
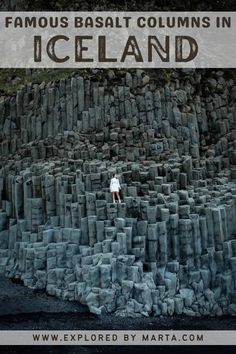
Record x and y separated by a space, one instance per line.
24 309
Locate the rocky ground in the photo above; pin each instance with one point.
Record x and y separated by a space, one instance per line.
23 308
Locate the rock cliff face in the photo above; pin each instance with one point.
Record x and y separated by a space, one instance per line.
170 246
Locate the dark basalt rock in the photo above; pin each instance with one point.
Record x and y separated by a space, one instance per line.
169 247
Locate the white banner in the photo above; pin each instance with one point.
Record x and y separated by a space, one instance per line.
117 39
117 337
